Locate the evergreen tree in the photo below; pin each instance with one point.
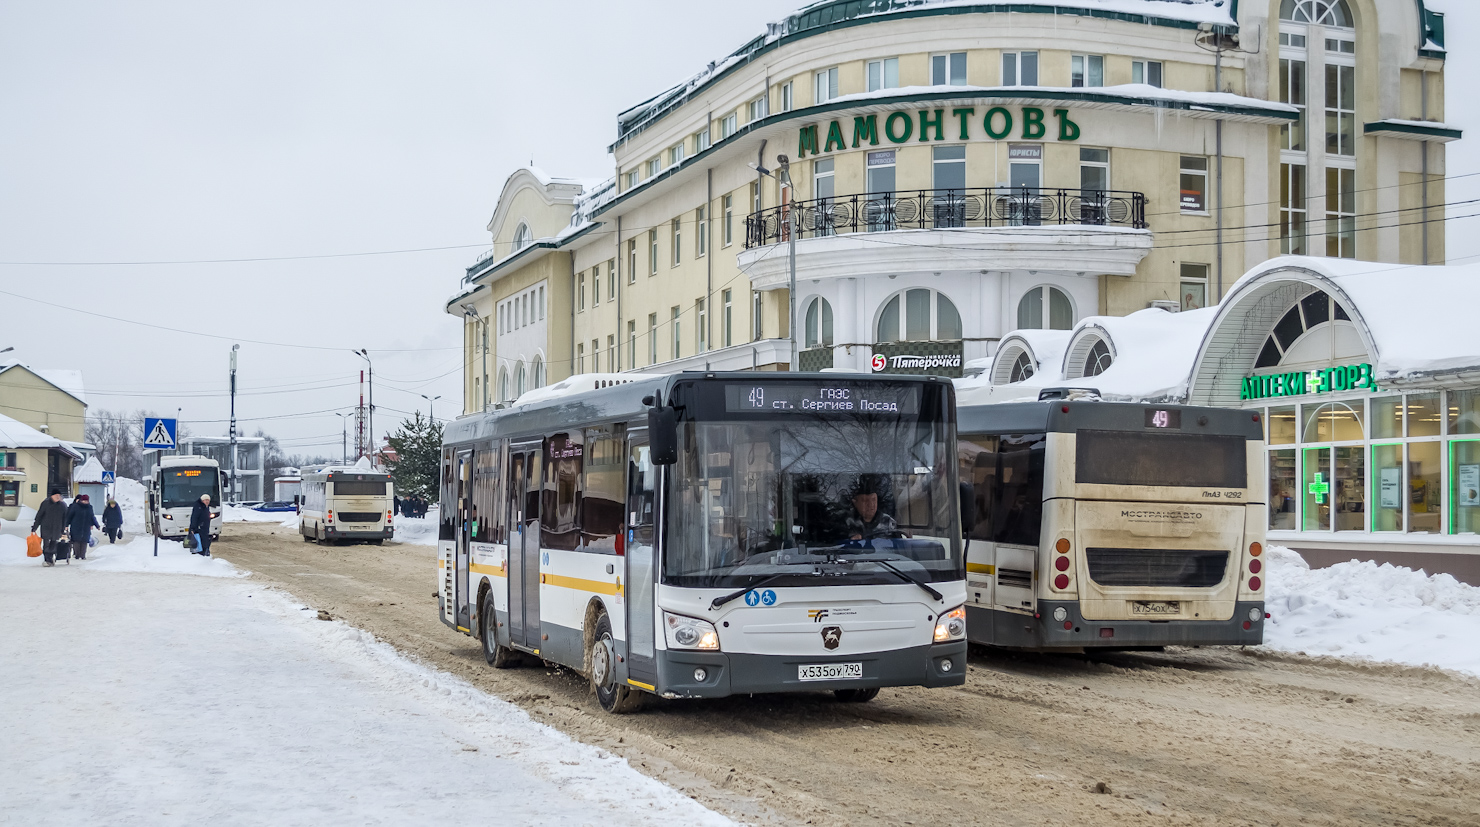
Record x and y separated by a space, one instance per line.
417 467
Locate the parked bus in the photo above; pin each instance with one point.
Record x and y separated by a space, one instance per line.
707 534
346 503
1102 524
176 484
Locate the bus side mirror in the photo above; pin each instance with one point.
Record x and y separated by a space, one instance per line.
663 435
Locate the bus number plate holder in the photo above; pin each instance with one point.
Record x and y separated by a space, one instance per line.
1155 608
829 671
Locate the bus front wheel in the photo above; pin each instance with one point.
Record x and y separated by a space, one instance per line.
499 657
613 697
856 696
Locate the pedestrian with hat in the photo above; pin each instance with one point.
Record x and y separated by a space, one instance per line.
51 524
81 520
200 525
113 521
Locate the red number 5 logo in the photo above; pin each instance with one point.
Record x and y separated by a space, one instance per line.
880 362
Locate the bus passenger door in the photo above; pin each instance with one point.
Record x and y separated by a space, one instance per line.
641 558
524 545
464 492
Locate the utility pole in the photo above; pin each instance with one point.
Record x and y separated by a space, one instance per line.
793 224
372 448
431 400
232 494
343 437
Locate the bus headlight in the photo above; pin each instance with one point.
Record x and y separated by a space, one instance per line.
951 625
690 633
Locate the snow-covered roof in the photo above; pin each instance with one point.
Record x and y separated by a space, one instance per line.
90 471
581 383
16 434
821 16
1420 320
67 381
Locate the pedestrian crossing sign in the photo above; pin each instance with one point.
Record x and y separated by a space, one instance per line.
159 433
108 477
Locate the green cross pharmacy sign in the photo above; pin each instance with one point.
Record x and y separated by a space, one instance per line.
1302 382
1320 488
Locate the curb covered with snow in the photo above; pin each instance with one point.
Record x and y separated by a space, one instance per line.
1370 611
137 555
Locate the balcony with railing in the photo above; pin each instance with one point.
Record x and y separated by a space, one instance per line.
991 207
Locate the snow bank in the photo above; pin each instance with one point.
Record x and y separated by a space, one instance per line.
136 555
131 498
232 514
1370 611
417 531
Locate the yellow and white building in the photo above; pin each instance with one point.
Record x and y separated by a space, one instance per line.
954 171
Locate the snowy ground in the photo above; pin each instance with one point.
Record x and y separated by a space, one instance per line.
1363 610
187 700
418 531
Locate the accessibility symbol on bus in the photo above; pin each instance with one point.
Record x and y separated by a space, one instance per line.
752 598
755 598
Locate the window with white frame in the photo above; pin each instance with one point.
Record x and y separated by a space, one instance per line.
728 126
580 292
728 224
541 303
1341 106
631 344
580 358
701 318
918 315
1341 212
652 338
522 237
611 279
729 320
675 155
786 97
1045 308
1194 280
677 337
701 141
757 109
1086 70
652 252
1292 209
701 232
654 166
631 178
611 353
758 331
1147 72
948 69
819 323
1193 184
676 228
827 86
882 74
596 356
596 285
632 261
1019 68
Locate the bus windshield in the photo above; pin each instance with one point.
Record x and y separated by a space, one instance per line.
182 487
817 499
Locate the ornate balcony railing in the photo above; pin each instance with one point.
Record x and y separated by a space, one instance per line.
947 209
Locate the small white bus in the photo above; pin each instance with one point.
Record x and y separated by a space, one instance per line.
707 534
1111 525
346 503
176 484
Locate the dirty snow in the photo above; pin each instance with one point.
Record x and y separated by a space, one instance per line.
218 701
1370 611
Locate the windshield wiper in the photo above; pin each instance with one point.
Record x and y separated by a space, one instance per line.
726 598
898 573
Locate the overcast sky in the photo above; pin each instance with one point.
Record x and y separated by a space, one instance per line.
147 132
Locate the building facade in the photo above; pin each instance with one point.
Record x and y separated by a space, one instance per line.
944 173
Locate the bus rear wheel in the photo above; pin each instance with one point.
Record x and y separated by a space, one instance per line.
856 696
613 697
499 657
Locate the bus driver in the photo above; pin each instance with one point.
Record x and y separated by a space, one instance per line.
867 521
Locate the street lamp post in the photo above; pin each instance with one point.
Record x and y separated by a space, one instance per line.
233 492
794 224
471 312
365 354
343 437
431 400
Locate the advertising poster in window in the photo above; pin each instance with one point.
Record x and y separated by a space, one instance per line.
1391 488
1469 486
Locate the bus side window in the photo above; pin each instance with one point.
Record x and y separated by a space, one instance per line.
601 495
562 490
640 495
1017 505
978 480
448 529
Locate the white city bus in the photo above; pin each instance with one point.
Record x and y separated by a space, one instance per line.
353 502
1110 525
697 535
176 484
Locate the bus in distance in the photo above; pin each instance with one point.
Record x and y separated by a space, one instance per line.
1112 525
176 484
347 503
708 534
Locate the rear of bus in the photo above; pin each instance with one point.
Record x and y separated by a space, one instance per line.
1151 531
358 506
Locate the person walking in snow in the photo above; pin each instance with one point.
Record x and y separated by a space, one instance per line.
50 523
80 522
113 521
200 525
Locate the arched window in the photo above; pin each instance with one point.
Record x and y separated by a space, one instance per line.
1310 312
1098 360
1031 314
537 374
927 316
1021 369
1321 12
819 323
522 237
503 385
519 381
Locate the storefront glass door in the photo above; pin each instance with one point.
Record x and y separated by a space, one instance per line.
1387 488
1464 476
1316 487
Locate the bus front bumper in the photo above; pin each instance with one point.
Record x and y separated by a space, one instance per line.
934 665
1014 630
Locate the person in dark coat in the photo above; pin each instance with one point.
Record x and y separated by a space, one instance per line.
200 525
80 522
113 521
50 523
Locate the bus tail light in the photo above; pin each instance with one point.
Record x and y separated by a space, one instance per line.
1255 583
1255 566
388 514
330 517
1061 582
1255 549
1062 564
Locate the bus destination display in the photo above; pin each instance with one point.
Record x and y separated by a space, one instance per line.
807 397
